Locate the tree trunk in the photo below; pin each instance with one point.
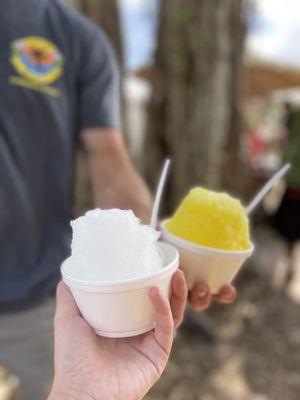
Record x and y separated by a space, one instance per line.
191 111
236 172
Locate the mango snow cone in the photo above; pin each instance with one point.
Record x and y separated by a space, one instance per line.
211 219
211 233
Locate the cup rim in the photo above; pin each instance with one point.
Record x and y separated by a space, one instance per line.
130 283
197 248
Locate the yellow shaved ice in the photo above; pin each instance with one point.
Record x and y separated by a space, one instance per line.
211 219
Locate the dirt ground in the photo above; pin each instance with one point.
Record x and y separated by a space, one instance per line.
247 351
254 353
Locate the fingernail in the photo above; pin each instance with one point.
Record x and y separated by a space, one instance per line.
201 294
228 296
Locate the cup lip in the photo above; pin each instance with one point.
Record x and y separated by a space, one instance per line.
130 283
197 248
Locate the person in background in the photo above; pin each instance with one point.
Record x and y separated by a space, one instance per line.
58 89
287 218
88 366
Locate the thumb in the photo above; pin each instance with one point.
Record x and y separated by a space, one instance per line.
65 304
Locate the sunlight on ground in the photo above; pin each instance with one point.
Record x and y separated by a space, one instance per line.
230 381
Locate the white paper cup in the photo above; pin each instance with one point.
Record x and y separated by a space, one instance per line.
215 267
121 308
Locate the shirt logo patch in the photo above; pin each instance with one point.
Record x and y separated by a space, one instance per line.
39 63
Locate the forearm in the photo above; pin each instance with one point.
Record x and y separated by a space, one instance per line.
114 181
123 189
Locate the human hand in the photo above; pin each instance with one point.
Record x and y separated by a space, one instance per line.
91 367
200 298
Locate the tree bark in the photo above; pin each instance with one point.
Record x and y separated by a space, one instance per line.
191 110
236 172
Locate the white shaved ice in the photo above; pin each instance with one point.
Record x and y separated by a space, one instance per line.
110 245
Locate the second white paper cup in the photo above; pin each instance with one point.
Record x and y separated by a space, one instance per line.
121 308
215 267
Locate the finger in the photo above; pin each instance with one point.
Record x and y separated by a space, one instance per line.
226 295
178 298
200 297
164 328
65 303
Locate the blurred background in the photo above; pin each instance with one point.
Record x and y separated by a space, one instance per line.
213 84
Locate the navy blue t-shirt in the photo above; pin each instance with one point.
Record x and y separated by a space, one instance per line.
57 77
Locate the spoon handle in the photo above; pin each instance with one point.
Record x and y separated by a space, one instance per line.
159 192
268 186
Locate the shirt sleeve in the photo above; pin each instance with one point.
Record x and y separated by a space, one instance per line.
98 82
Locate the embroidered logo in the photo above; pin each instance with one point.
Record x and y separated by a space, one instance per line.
39 63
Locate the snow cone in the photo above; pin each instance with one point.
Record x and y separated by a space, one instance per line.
211 232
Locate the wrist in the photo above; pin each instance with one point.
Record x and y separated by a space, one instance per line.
61 395
65 393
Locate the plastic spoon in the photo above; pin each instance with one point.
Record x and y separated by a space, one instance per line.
267 187
159 192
